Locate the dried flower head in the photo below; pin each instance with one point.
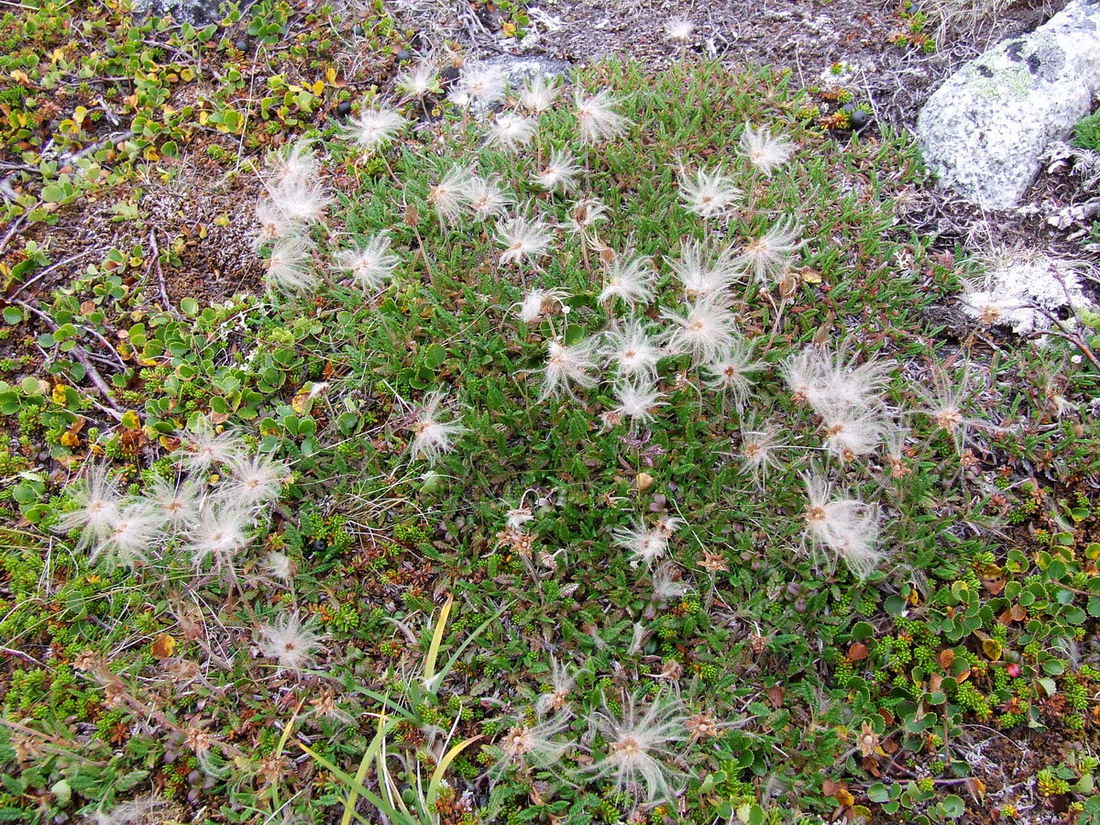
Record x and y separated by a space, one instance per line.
221 533
637 401
559 173
133 532
732 372
709 194
764 151
374 128
418 81
511 132
254 481
433 437
203 448
524 238
679 29
290 641
597 118
177 501
371 264
640 743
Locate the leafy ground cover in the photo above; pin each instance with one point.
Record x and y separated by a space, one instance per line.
425 546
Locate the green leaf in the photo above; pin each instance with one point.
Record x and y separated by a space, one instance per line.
895 605
952 806
878 793
13 315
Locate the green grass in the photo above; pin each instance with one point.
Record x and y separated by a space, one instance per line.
827 691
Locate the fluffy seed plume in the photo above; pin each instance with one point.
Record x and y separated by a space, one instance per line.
629 278
706 330
637 401
732 372
374 128
640 743
765 152
702 275
290 267
569 364
708 194
290 641
451 195
540 93
486 198
629 347
846 527
560 172
770 254
97 503
597 118
511 132
524 239
370 265
432 437
538 303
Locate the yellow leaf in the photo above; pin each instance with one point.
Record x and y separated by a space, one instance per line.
70 439
330 74
163 646
131 420
20 76
509 29
318 87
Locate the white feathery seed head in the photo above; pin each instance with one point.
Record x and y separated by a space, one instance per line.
645 544
540 93
706 330
559 173
485 197
371 264
629 277
732 371
637 401
375 127
847 528
254 481
290 641
510 132
597 118
202 447
538 303
135 529
679 29
640 743
451 196
221 533
418 81
700 273
178 502
569 364
432 437
765 151
629 347
524 239
98 504
771 253
290 266
709 194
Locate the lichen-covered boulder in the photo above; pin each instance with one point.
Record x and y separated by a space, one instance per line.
984 130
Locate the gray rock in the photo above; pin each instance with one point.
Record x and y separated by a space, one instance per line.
985 129
518 69
195 12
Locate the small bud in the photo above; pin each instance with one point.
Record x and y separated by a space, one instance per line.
643 481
